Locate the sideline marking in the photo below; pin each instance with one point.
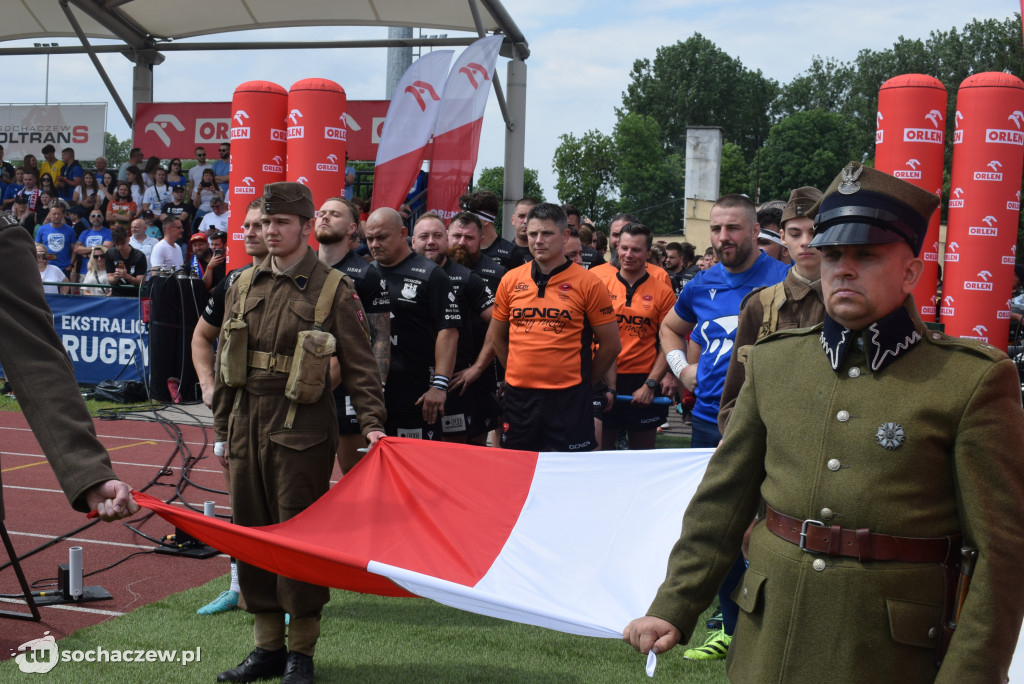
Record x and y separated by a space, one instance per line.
125 446
27 465
64 606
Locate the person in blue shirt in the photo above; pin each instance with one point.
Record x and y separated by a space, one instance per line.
222 167
96 235
58 238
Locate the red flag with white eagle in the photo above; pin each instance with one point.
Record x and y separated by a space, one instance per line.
457 135
410 122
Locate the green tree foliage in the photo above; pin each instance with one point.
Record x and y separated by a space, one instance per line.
807 148
649 179
694 83
116 151
585 170
735 175
493 178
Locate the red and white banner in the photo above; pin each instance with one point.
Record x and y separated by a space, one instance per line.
457 136
573 542
910 144
24 129
984 207
407 129
175 129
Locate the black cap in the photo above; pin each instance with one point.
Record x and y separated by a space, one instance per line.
864 206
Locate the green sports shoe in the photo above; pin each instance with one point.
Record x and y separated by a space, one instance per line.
715 647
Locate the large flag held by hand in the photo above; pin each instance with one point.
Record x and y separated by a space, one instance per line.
576 542
457 135
407 128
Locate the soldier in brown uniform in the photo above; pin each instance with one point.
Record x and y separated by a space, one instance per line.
43 378
281 450
896 446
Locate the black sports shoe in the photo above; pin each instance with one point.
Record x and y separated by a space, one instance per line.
299 669
260 664
715 621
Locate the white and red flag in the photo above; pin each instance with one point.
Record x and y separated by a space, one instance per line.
407 128
457 135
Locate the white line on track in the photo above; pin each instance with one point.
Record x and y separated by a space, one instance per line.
64 606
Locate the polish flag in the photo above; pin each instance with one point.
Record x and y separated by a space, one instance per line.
407 128
457 137
575 542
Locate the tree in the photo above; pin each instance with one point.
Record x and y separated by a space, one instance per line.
807 148
650 179
493 178
694 83
825 85
585 168
116 151
735 175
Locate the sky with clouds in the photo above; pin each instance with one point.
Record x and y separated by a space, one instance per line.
581 56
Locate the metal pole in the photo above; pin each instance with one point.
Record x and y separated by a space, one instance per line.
46 97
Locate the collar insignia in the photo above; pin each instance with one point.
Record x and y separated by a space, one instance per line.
849 185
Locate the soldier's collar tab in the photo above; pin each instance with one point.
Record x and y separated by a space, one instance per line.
884 341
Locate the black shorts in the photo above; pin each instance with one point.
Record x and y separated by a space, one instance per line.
634 417
548 419
405 419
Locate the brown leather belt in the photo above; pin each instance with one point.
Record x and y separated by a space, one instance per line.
816 537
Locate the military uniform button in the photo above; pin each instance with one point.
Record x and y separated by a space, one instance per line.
933 632
843 416
826 514
854 372
744 591
834 464
818 564
936 336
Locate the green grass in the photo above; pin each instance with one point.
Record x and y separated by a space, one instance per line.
8 403
367 639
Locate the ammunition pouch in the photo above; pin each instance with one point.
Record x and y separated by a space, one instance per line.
233 357
310 366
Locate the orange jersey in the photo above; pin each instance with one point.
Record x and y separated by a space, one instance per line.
551 325
639 314
606 270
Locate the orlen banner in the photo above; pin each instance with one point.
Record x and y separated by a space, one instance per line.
316 138
910 144
175 129
984 203
258 153
26 128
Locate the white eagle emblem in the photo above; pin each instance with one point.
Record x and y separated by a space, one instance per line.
849 185
890 435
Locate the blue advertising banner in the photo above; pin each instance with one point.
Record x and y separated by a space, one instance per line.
103 336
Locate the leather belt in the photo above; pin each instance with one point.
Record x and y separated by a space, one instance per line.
815 536
270 362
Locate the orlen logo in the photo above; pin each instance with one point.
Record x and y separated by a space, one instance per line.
212 130
951 252
471 69
987 230
1014 204
958 134
420 88
1012 259
294 129
980 333
879 132
161 122
330 165
910 173
980 286
947 306
1007 136
933 255
276 167
956 201
278 135
927 135
336 132
240 131
994 175
247 187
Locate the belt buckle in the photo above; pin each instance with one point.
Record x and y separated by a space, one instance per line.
272 363
803 534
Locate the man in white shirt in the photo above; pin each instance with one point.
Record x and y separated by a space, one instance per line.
139 240
167 253
217 219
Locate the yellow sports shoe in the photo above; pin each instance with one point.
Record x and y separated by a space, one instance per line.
716 647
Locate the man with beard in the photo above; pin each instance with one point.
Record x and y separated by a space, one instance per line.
611 268
484 205
709 306
337 224
425 325
475 301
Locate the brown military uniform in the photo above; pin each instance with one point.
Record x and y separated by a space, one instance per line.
42 376
801 308
277 472
898 430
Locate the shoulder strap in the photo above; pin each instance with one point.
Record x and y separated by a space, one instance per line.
243 283
326 301
771 298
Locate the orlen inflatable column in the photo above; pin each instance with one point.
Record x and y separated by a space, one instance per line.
909 144
258 149
316 138
984 203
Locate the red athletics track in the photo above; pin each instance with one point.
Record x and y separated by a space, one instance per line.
37 511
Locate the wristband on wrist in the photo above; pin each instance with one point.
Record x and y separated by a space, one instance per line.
440 382
677 361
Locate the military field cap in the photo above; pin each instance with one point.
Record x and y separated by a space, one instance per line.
768 234
800 203
287 197
864 206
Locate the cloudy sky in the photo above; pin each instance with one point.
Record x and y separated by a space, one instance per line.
581 56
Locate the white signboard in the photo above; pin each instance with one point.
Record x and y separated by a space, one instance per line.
26 128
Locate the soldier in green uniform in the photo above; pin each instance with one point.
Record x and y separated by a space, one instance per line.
274 406
895 447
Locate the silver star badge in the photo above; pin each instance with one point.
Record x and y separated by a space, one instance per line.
849 184
890 435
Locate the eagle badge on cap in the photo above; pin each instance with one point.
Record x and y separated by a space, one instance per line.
849 184
890 435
